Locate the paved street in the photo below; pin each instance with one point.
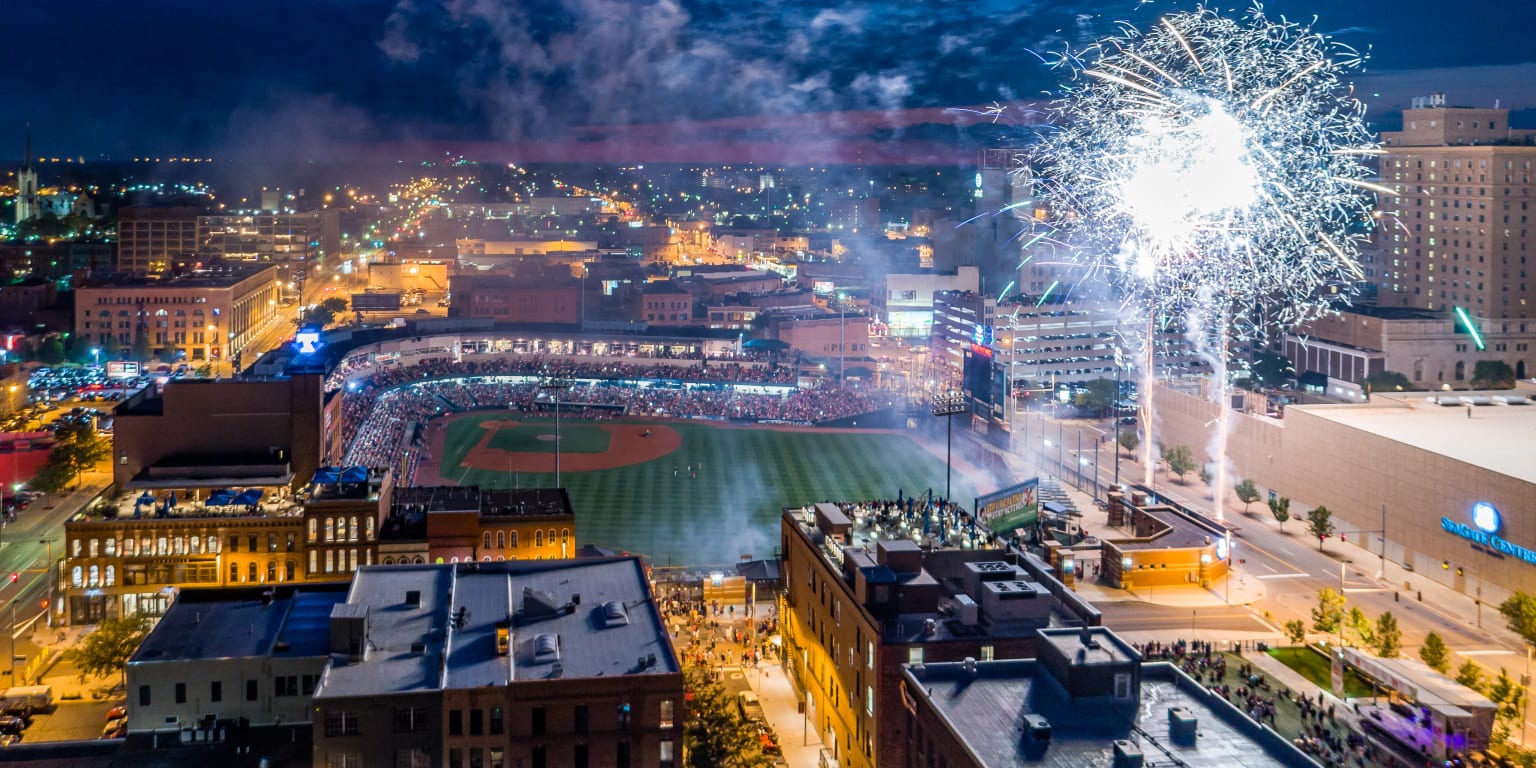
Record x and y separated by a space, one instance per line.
1284 562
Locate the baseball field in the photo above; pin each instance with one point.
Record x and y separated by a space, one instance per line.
683 492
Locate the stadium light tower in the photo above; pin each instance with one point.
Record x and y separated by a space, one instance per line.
947 405
556 386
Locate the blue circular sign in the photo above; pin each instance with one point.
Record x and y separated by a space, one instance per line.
1486 518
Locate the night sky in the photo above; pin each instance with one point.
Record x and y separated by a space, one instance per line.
309 78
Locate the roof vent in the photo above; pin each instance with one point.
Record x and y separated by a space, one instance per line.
546 647
969 665
538 604
615 614
413 598
418 648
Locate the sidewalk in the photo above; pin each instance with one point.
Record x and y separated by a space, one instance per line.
800 743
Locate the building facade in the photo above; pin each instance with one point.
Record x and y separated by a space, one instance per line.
494 665
150 239
862 599
507 299
1432 349
264 237
1458 231
197 318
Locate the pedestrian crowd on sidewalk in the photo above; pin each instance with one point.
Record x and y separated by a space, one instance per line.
713 634
1323 735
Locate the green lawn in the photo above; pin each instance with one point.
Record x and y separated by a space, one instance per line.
745 479
532 438
1315 667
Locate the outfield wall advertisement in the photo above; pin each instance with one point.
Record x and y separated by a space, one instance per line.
1009 508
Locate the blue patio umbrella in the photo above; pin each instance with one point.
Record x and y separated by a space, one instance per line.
248 497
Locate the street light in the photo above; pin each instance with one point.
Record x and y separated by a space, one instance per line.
96 355
556 386
842 326
947 405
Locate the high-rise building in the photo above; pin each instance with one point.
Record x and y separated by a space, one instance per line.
26 185
1458 232
265 236
150 240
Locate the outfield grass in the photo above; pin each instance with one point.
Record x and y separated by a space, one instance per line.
732 508
532 438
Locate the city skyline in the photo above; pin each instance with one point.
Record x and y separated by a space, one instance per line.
377 77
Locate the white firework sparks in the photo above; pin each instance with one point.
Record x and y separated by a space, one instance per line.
1219 154
1212 170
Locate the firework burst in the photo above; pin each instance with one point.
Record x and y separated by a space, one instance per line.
1214 157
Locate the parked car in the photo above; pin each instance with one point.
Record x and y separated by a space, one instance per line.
113 727
751 710
116 712
12 724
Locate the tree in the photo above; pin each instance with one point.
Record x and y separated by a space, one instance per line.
1357 623
53 476
1492 374
335 304
107 650
1180 460
1389 637
1509 695
715 735
1388 381
1129 440
79 447
1320 524
1247 493
1098 395
1329 611
1296 631
1280 507
1471 675
1434 653
51 351
1519 613
1205 475
141 349
319 316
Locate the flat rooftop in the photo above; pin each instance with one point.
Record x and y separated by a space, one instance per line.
564 619
1496 437
233 623
225 277
987 713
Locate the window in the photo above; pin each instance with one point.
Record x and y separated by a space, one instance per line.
455 722
485 540
621 760
251 541
540 758
536 727
538 538
869 700
499 756
216 691
410 719
988 652
250 690
271 571
340 723
581 760
501 539
330 529
313 524
251 572
234 573
455 758
498 721
352 530
476 722
285 685
914 655
234 543
666 752
666 713
309 684
514 539
1122 686
181 693
343 760
412 758
581 718
476 757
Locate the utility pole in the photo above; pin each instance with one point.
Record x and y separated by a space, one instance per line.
556 386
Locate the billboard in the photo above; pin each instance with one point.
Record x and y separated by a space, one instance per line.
122 369
376 301
978 373
1009 508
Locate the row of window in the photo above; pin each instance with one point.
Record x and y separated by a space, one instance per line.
133 546
340 529
282 685
502 538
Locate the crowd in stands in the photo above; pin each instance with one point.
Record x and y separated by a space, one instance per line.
715 368
380 415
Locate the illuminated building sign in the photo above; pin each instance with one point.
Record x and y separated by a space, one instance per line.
980 351
308 341
982 335
1484 531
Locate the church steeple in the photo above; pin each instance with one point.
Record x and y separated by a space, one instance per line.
26 185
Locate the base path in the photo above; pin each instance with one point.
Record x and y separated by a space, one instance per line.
628 443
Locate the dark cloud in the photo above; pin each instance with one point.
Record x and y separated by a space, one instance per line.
240 76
